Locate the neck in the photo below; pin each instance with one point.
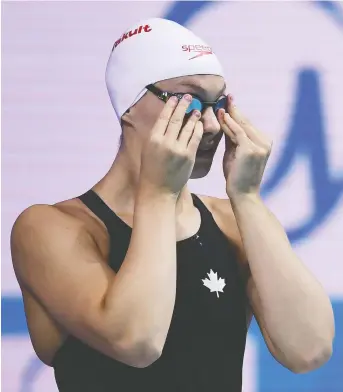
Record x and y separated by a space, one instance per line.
119 186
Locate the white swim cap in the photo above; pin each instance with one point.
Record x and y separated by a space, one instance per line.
154 50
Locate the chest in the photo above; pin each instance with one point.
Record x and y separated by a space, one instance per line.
210 293
210 289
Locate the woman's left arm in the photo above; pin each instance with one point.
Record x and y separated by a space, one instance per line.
291 307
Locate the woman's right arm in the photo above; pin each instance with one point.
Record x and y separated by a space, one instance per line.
125 315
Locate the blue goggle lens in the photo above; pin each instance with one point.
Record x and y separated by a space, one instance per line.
221 104
196 104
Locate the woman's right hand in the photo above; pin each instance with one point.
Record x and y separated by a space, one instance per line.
169 153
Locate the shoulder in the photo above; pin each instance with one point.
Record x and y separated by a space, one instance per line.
222 213
224 217
42 224
218 205
41 227
44 217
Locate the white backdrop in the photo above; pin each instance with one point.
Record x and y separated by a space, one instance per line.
284 63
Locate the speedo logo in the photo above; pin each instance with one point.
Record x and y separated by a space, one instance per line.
202 50
131 33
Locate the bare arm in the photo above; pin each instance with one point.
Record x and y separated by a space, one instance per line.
291 307
125 316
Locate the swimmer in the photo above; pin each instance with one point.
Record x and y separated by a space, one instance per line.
140 285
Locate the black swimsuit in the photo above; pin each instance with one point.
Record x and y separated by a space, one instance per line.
206 340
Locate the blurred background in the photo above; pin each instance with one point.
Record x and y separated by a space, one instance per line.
284 66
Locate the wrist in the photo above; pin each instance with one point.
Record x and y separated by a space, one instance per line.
242 200
153 196
155 207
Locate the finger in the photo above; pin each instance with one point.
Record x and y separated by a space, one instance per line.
176 120
240 135
238 132
253 134
195 139
229 144
165 115
187 131
224 126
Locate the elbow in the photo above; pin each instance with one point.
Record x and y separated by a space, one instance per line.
312 359
146 355
138 353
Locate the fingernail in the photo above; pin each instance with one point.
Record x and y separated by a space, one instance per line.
188 97
174 99
231 98
197 113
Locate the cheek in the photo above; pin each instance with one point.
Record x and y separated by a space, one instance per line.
146 115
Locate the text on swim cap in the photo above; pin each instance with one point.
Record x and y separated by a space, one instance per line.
202 50
139 30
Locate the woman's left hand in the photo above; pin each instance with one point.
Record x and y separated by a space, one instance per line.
246 153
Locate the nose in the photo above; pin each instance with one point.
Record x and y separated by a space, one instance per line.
210 121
